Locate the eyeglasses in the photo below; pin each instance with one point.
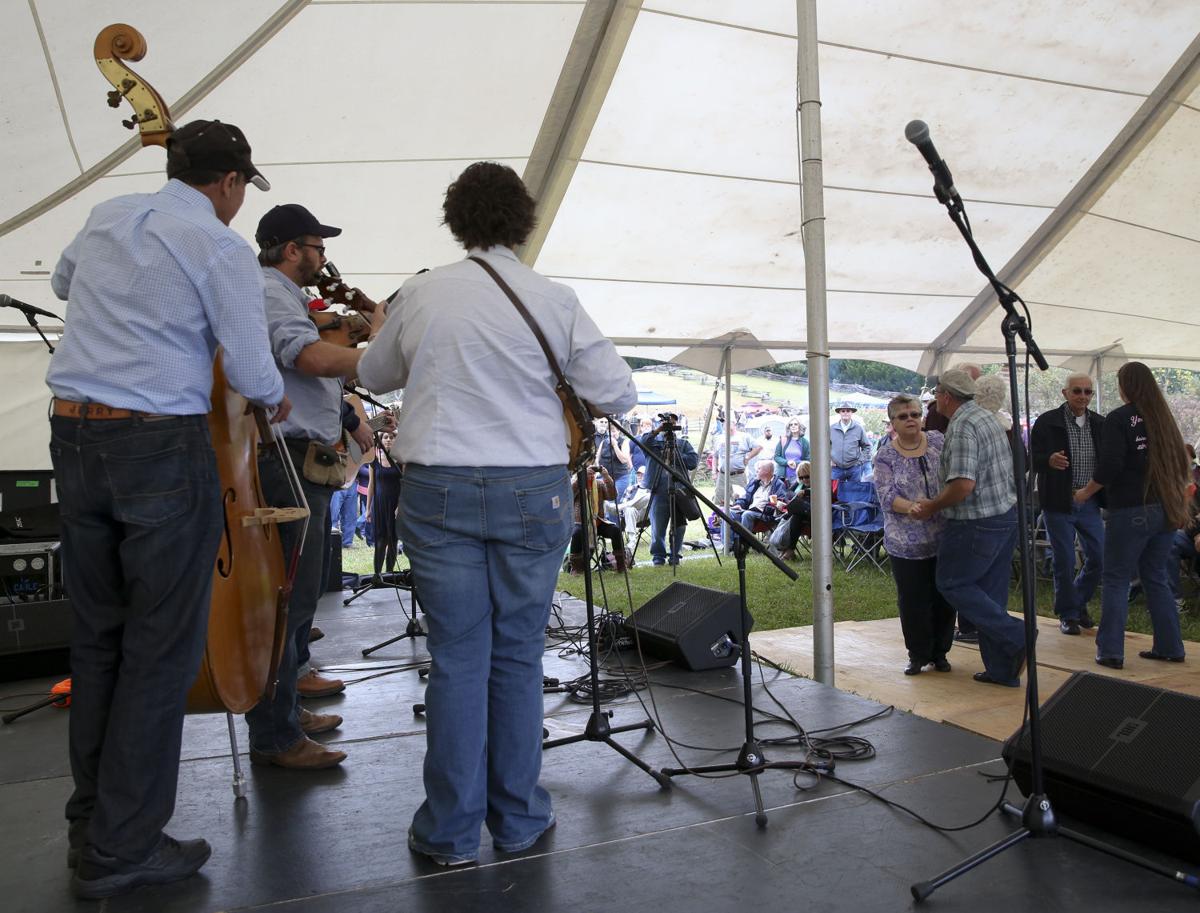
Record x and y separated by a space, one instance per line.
1086 391
840 411
319 248
902 416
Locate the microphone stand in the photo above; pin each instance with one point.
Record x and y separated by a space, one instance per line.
598 728
750 760
1038 819
32 320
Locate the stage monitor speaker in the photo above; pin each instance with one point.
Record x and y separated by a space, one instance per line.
697 628
1120 755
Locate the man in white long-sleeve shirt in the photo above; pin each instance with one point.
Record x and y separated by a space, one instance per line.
486 520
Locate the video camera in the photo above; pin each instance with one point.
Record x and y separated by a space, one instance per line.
667 423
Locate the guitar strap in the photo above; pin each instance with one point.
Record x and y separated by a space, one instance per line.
579 410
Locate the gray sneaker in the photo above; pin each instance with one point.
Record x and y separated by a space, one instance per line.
98 876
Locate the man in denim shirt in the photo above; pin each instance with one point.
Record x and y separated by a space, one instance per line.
292 251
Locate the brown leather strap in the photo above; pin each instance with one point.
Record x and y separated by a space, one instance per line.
537 331
70 409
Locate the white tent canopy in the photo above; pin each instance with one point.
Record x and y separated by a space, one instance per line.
660 139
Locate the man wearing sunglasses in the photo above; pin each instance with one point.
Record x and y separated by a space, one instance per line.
1064 443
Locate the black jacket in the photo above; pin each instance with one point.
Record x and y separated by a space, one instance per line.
1049 435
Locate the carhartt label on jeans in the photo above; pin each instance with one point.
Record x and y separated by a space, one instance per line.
554 502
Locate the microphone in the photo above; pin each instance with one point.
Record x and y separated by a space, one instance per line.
29 309
917 133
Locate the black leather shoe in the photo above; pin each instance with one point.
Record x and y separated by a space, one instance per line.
941 664
914 668
1085 621
971 637
986 679
1150 654
1110 661
99 876
1068 626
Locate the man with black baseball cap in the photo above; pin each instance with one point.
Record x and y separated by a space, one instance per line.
154 282
209 145
291 252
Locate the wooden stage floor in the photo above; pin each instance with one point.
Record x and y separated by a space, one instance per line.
869 660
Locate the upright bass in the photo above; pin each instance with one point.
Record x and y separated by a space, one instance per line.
252 578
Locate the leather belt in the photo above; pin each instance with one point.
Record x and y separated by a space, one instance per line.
70 409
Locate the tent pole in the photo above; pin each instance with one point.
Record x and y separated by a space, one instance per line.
712 404
728 359
812 209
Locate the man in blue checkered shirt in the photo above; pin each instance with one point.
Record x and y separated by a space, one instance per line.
978 499
153 283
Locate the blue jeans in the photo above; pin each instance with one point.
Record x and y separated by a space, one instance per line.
1137 542
485 545
365 527
660 519
850 473
973 569
275 724
1183 548
343 513
141 522
1071 591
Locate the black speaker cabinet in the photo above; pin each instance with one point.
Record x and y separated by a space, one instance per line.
334 582
1120 755
697 628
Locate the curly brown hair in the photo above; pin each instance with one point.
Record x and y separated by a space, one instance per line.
488 205
1167 473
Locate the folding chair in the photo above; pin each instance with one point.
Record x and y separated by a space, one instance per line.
858 519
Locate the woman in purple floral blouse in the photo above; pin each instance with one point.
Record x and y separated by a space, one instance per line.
906 470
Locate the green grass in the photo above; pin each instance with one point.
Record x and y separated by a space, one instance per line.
693 396
774 600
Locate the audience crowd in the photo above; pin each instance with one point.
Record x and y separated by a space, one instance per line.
945 487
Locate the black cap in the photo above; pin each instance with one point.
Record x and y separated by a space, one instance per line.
289 222
209 145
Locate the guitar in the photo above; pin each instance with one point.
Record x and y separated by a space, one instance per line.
356 457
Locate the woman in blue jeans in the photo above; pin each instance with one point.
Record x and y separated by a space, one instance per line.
1143 468
486 526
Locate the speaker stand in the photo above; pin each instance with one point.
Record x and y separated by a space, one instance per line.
1037 820
598 728
750 760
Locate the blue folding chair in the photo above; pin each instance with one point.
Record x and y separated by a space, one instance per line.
858 526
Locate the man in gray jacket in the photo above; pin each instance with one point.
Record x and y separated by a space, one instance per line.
849 445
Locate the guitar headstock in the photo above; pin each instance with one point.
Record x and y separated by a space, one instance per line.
114 45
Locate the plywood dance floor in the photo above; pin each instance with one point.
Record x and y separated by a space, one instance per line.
869 660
